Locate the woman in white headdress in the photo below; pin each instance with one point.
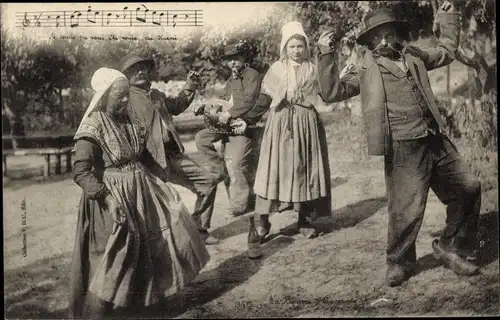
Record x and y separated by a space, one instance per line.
135 241
293 167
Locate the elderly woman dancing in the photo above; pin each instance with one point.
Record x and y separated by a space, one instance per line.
135 240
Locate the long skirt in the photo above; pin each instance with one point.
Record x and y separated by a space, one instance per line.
293 164
153 255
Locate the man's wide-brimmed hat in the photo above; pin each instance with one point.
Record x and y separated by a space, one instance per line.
242 47
378 18
133 59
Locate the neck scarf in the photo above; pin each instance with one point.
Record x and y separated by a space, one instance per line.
287 79
96 124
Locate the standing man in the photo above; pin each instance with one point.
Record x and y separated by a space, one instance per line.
155 110
403 124
242 90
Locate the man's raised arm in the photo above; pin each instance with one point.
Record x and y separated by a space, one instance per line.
177 105
446 50
332 87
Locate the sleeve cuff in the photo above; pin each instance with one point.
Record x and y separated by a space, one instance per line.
190 85
232 112
449 17
326 53
102 194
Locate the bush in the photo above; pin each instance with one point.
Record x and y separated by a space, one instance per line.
473 128
345 134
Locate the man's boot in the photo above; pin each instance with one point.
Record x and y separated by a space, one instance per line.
396 274
453 259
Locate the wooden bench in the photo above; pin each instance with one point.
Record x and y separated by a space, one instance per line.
46 152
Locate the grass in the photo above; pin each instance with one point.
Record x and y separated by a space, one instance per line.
340 273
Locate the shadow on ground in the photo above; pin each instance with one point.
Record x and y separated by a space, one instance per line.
236 227
487 248
212 284
488 238
240 225
427 262
351 215
337 181
346 217
29 290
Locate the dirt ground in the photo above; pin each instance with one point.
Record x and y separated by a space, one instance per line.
340 273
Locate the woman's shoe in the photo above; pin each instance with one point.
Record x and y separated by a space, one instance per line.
307 230
263 229
207 238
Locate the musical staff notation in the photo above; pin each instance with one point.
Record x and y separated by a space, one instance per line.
127 17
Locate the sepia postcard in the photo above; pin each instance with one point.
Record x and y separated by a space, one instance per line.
250 159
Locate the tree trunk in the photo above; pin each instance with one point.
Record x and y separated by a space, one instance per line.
16 125
473 59
435 25
448 79
58 113
470 82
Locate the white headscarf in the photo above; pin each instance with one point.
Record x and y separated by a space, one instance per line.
103 129
289 30
101 81
283 79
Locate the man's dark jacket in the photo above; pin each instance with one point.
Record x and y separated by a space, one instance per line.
367 81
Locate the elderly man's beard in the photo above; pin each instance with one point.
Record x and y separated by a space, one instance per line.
389 51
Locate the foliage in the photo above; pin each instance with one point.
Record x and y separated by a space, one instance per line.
479 13
35 72
474 126
33 77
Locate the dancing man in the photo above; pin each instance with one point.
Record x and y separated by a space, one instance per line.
403 124
155 110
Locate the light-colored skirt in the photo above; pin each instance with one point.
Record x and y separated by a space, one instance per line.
293 162
156 252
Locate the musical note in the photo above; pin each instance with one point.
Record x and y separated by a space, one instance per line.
125 15
57 20
73 25
136 12
173 18
95 15
153 18
144 17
